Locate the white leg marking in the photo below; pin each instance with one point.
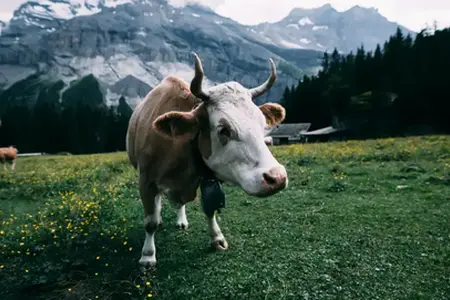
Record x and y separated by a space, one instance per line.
151 223
217 238
148 257
182 221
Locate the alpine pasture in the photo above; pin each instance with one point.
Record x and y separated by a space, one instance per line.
359 220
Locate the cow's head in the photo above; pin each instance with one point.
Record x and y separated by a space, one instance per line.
13 147
230 130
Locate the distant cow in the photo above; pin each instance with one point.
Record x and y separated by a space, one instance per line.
178 133
268 140
8 154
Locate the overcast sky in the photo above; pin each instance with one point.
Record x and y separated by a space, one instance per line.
414 14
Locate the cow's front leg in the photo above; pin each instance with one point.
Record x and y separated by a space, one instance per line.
213 199
182 221
176 200
217 239
151 199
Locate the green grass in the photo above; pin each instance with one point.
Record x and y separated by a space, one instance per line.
359 220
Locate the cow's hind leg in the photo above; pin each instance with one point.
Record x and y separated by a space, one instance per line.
151 199
218 241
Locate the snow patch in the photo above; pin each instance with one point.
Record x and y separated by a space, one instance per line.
196 15
142 32
61 10
114 3
322 27
68 9
29 22
218 22
305 21
305 41
294 26
290 45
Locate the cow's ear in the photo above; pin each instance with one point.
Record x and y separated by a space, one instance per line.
177 125
274 113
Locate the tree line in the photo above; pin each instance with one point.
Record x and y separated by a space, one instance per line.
401 87
77 120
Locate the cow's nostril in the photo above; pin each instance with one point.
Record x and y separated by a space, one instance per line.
269 179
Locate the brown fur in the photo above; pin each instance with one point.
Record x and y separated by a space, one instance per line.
162 161
8 154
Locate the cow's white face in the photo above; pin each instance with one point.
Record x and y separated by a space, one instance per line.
238 153
230 130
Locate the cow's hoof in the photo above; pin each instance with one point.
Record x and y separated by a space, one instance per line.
220 243
147 261
182 225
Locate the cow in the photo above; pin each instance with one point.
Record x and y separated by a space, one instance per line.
268 140
8 154
179 132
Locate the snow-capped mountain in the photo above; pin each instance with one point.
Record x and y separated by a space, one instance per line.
2 25
64 9
128 46
48 14
324 28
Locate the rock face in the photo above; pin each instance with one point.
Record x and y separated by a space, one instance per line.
128 46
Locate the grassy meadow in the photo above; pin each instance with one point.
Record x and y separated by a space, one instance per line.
359 220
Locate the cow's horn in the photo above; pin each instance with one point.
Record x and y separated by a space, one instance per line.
260 90
196 83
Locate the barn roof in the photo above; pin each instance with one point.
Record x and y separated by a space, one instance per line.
325 130
288 130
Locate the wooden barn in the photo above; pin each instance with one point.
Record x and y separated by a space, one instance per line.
284 134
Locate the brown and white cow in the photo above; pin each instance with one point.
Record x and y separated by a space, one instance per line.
177 129
8 154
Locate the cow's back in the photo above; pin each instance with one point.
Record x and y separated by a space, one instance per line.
8 153
145 147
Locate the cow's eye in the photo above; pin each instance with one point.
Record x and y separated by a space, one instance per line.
225 132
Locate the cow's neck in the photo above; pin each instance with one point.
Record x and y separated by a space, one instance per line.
213 197
203 170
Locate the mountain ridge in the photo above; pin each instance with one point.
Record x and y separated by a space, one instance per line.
148 40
